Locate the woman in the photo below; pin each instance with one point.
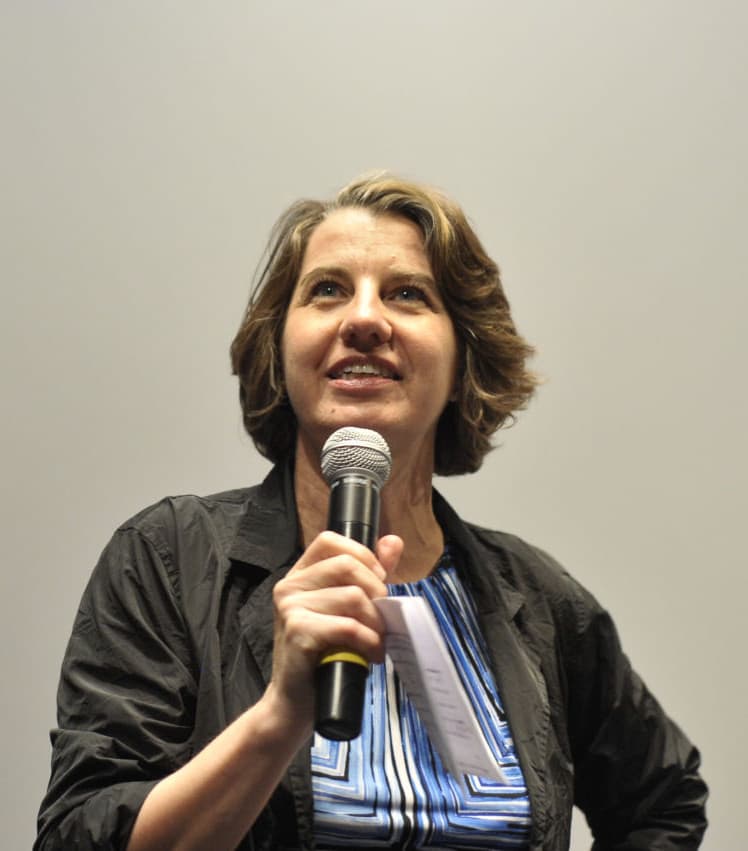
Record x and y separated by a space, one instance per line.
186 701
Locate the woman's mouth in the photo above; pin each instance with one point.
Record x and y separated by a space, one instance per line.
363 371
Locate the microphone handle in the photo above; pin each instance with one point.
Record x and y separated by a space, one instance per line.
357 530
340 680
354 509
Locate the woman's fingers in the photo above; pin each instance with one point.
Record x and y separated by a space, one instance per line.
313 614
316 625
342 571
330 544
326 600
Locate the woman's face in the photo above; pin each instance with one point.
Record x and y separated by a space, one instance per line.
367 339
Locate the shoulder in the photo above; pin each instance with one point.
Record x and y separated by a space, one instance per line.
518 562
526 576
215 519
521 560
165 520
548 590
172 544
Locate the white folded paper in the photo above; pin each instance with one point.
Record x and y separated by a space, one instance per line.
419 653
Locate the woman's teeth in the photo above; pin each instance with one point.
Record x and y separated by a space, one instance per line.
365 369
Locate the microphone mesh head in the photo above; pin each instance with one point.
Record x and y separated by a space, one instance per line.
356 450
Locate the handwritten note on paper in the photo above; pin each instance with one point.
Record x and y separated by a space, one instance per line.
419 653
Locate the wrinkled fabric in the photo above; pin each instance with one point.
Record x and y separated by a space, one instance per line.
173 640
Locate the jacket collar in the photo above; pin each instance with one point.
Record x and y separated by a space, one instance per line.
492 593
268 534
268 538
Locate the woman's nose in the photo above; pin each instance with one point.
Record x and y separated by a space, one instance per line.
365 324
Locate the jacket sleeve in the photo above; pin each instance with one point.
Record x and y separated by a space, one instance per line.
125 700
636 774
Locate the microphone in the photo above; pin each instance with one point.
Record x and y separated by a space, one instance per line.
356 462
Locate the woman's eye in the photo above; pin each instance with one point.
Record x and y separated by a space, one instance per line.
409 293
325 289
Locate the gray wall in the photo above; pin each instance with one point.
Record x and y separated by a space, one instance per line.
599 148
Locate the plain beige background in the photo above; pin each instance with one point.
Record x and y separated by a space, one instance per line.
601 151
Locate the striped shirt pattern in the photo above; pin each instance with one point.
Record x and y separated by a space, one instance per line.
388 788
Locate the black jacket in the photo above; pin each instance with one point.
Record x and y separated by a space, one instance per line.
173 640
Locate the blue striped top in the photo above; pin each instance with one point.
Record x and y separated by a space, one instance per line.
388 787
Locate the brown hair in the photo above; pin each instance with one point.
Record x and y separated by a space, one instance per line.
494 379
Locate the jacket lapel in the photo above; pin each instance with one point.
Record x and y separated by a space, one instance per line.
265 548
515 664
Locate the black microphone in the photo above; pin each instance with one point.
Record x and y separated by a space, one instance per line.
356 462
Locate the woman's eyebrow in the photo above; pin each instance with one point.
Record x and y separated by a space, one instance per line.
321 271
420 278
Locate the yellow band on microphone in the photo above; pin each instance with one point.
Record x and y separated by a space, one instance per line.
344 656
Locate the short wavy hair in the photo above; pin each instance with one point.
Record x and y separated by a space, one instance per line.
494 380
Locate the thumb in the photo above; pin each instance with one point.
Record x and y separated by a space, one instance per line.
389 550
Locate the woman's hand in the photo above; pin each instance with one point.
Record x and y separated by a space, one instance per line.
326 600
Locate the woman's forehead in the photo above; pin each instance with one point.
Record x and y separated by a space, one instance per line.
357 234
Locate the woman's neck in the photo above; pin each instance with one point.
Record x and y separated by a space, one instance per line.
405 510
